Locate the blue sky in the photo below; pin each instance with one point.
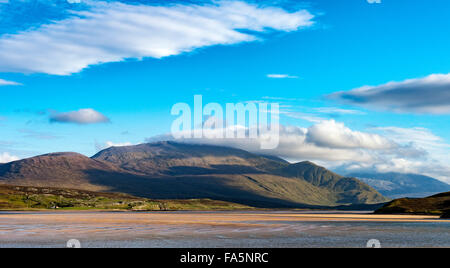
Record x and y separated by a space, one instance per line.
59 57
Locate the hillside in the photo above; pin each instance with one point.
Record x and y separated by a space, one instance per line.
64 170
397 185
169 170
433 205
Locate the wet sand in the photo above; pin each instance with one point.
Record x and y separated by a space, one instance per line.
218 229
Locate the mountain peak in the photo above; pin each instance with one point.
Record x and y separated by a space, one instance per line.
63 154
163 158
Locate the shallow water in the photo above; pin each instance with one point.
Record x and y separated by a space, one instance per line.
220 229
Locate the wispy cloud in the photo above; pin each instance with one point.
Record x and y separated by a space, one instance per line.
313 118
293 108
334 110
279 98
82 116
114 31
29 133
282 76
9 83
429 95
324 141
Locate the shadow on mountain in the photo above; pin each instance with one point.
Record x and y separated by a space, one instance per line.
214 169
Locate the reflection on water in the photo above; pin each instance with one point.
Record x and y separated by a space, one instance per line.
218 229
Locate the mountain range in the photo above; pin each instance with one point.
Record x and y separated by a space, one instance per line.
170 170
398 185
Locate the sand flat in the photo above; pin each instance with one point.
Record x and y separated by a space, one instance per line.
206 218
220 229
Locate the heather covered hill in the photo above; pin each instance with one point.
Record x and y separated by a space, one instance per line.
169 170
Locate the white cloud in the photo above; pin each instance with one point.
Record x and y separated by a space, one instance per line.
429 167
436 165
324 141
113 32
333 134
113 144
429 95
6 158
82 116
9 83
282 76
336 146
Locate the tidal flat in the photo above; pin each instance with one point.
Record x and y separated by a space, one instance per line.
239 229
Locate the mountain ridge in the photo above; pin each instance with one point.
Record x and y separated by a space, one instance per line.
170 170
398 185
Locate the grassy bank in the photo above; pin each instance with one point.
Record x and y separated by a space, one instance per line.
38 198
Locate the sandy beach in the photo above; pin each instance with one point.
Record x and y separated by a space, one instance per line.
219 229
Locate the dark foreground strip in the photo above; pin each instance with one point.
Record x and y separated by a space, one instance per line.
281 258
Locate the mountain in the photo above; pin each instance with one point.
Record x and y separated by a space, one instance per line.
397 185
434 205
169 170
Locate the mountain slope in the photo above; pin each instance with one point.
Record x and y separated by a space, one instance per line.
397 185
168 170
350 190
